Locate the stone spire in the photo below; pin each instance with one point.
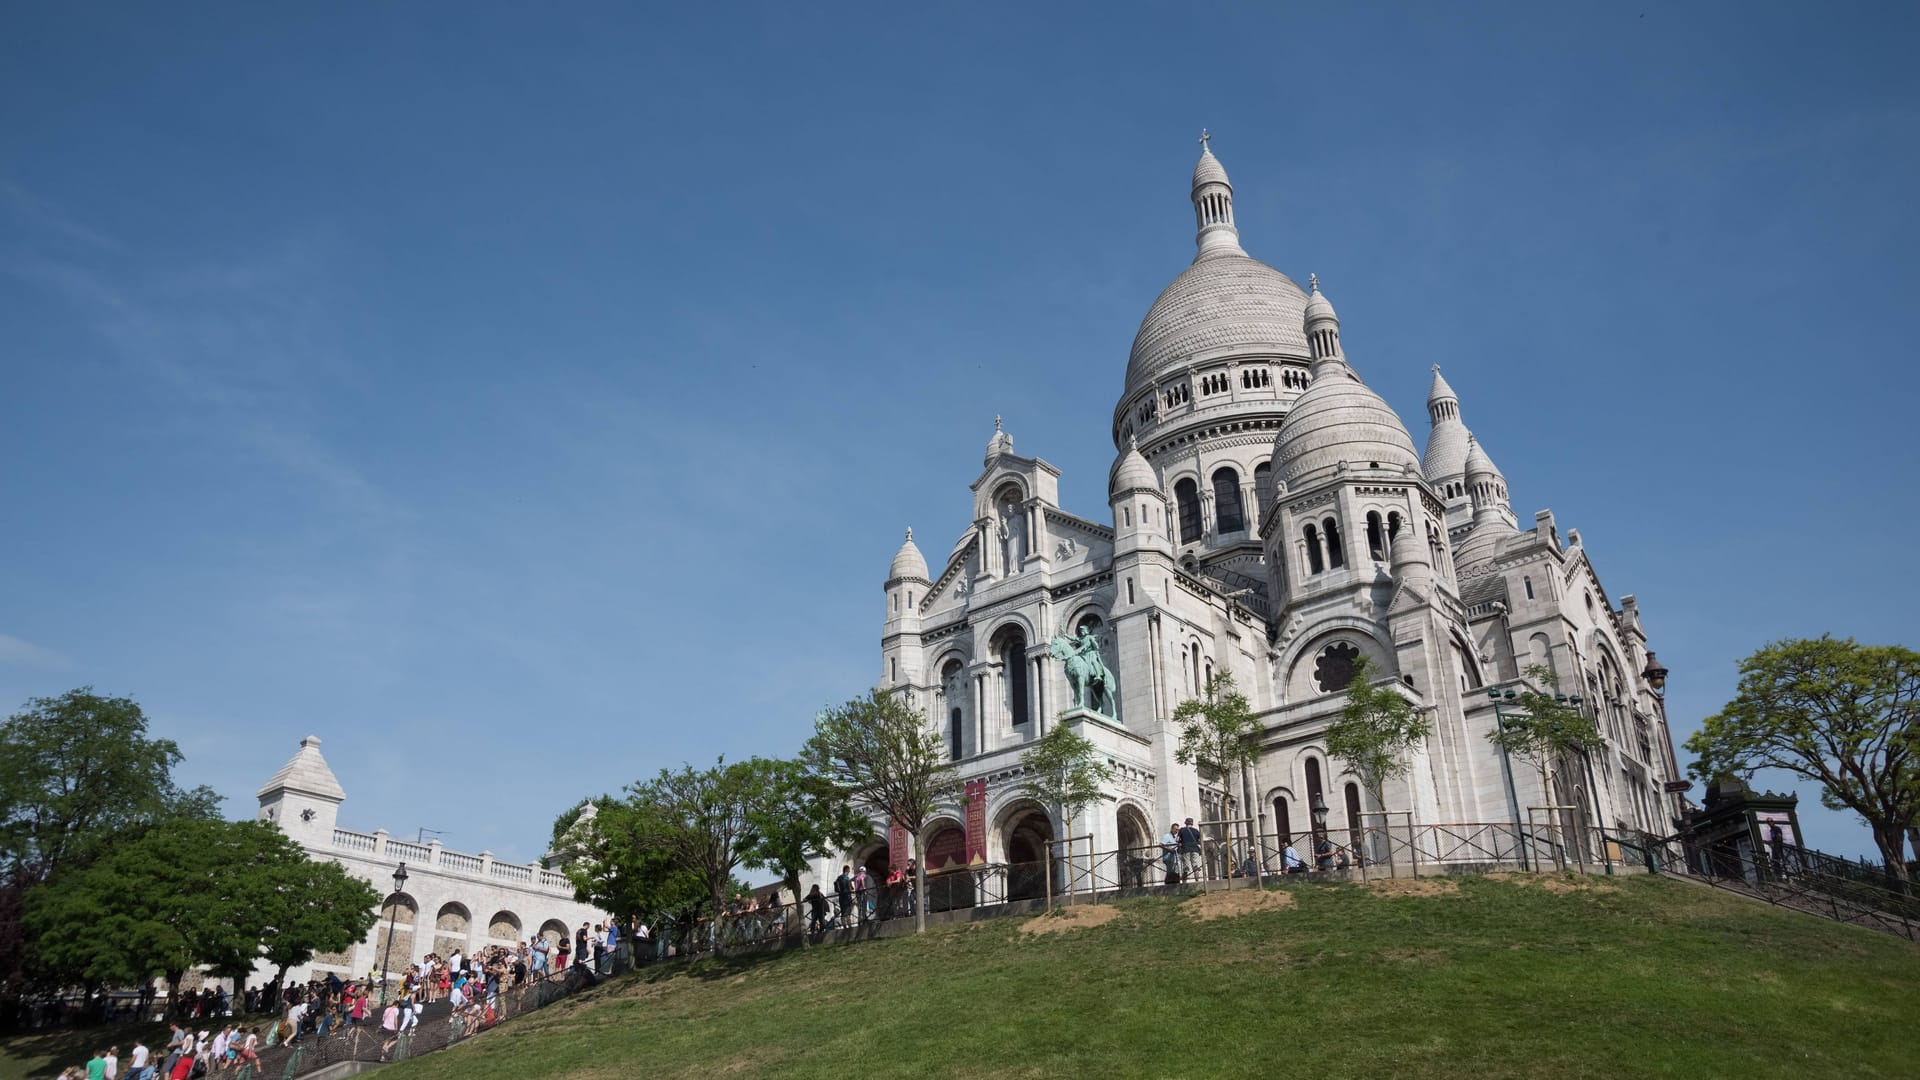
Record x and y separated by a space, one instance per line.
1001 443
1213 206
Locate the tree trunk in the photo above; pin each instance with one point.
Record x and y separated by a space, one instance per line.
799 916
173 991
1891 841
919 886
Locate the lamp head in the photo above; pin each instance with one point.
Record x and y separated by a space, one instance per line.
1655 675
400 878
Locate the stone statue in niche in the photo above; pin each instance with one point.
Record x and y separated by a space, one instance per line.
1013 535
1066 549
1087 673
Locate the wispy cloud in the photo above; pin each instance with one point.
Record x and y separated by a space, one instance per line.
19 652
47 219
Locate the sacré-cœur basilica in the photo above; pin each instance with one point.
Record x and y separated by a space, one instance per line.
1269 517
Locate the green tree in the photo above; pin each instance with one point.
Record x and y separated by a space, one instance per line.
1218 731
798 816
77 773
192 892
78 770
313 907
1835 712
888 761
1544 726
710 809
621 858
1064 773
1377 730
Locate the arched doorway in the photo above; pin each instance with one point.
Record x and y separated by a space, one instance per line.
1029 835
1139 855
949 882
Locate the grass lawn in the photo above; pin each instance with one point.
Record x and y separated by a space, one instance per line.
1483 977
1475 977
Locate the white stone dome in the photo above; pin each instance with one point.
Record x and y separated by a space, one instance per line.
908 562
1340 419
1226 299
1132 473
1209 170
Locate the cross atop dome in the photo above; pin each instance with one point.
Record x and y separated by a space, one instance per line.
1313 283
1205 138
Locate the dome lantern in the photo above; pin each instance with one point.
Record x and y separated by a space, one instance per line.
1213 205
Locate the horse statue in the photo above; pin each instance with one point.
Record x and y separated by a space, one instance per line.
1086 672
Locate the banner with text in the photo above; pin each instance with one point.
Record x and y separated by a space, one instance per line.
976 822
898 849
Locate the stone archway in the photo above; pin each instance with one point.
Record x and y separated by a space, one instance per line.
1028 845
451 928
949 880
1139 853
395 951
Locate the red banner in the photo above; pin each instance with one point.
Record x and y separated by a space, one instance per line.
899 850
976 822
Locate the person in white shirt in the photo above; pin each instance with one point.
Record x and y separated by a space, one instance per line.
137 1062
220 1045
113 1063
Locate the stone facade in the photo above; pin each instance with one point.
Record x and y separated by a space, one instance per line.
1268 517
450 898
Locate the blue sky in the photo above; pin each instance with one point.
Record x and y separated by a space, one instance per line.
523 400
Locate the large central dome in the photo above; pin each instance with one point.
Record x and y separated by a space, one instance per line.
1226 299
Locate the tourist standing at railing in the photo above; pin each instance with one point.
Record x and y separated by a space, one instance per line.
561 952
816 910
1291 862
1191 867
909 876
540 952
843 892
862 895
582 946
1169 852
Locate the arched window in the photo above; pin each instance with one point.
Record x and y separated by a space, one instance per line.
1312 536
1014 655
1393 525
1335 557
1282 820
1313 779
1263 487
1376 537
953 731
1229 515
1528 582
1187 494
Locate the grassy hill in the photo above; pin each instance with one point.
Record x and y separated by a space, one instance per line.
1481 977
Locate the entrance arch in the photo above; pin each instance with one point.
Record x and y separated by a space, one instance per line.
949 881
1029 844
1138 853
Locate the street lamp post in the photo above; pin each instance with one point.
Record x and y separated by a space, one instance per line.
393 918
1494 694
1322 857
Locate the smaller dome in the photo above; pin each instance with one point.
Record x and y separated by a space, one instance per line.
1209 170
1001 443
1318 306
1490 531
1441 390
1339 419
908 563
1132 473
1478 463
